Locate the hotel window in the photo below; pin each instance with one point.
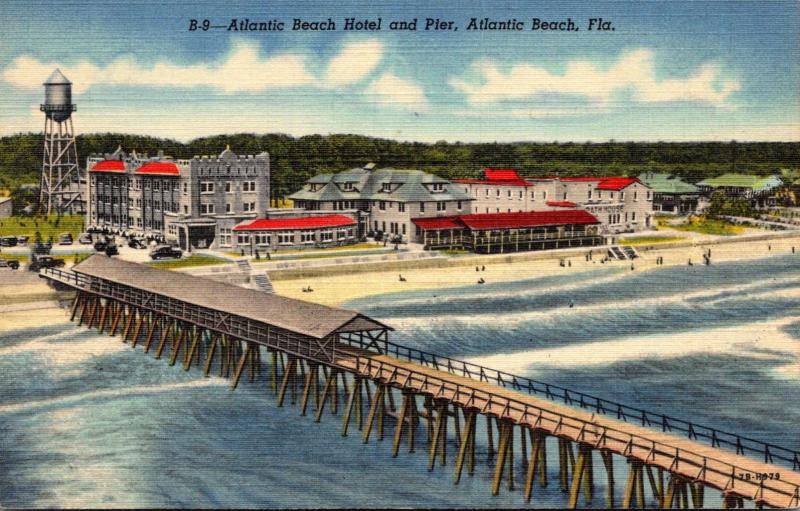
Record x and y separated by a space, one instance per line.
438 187
157 185
326 235
533 196
206 187
262 239
441 206
225 237
520 195
386 187
401 207
404 229
487 192
348 187
249 186
228 187
227 207
635 195
285 238
243 239
590 193
421 207
458 205
565 196
633 216
185 209
382 205
509 194
184 188
498 192
341 234
306 237
611 194
648 195
206 209
621 195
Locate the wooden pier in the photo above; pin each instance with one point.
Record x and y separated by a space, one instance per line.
313 362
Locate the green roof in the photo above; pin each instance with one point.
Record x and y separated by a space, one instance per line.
667 183
755 183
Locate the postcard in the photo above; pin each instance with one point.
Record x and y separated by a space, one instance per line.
274 254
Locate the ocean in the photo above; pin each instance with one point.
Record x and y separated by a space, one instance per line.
86 421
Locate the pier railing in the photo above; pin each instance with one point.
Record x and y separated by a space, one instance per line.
709 469
771 453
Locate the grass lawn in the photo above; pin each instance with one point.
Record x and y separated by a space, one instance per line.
47 226
192 260
648 240
709 226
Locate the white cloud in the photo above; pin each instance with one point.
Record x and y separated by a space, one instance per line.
634 70
243 70
390 89
530 113
354 62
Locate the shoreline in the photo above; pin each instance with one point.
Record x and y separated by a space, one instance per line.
336 289
337 285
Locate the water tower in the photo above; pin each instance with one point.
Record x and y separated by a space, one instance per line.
60 188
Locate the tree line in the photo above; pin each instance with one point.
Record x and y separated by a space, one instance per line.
294 159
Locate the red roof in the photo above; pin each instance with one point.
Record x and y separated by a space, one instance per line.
507 177
439 223
605 183
159 167
519 220
309 222
561 204
616 183
501 174
108 166
528 219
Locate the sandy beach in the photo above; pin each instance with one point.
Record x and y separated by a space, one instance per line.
338 289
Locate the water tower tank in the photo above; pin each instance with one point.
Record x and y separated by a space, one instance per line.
58 97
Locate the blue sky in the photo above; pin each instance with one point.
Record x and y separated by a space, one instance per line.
669 71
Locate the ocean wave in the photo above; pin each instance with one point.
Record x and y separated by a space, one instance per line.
95 395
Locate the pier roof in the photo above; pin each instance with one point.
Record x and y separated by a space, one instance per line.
305 318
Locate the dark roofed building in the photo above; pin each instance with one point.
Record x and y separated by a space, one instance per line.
388 198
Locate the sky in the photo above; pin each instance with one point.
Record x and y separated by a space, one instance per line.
669 70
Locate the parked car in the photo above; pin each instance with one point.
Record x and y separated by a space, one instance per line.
85 239
65 239
137 243
111 249
9 263
8 241
37 263
165 251
42 248
102 242
23 240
